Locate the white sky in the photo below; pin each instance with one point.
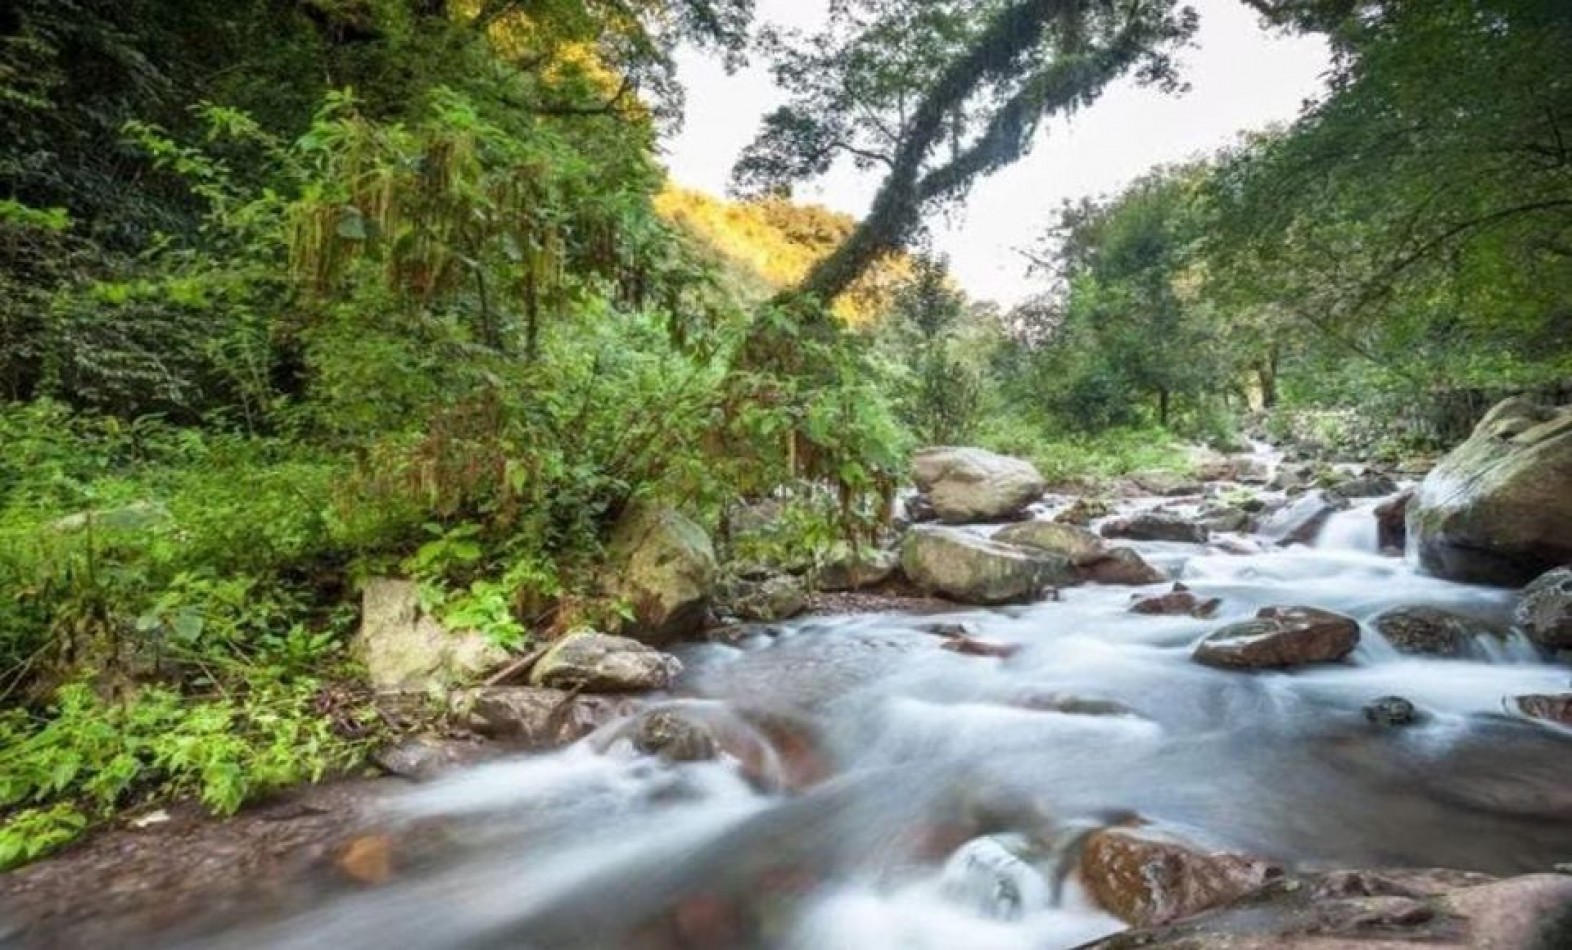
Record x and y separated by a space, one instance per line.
1241 78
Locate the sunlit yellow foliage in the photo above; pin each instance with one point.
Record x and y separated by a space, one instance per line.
773 243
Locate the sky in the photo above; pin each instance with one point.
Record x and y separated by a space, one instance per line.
1242 78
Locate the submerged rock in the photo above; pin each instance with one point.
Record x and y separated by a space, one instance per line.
1391 711
968 485
974 570
990 877
405 649
1544 609
1071 542
1428 630
1497 509
1122 567
1156 526
533 717
663 566
1557 709
1180 601
1083 511
1151 875
674 737
599 663
1281 637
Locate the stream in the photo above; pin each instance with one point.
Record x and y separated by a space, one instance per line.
596 846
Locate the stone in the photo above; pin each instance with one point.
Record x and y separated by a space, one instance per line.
1083 511
767 600
990 876
1226 518
599 663
1497 509
663 566
1072 705
1428 630
969 569
1281 637
1165 483
1392 522
423 758
1180 601
367 859
1071 542
848 570
1544 609
1303 519
1122 566
404 649
1151 875
674 737
1367 485
533 717
967 485
1557 709
1156 526
968 645
1391 711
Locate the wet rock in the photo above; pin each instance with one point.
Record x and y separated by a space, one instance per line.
1083 511
598 663
1557 709
1291 477
1122 566
1156 526
367 859
1245 469
1544 609
674 737
974 570
1180 601
1281 637
1237 546
1072 705
1496 510
533 717
969 485
763 600
1392 522
989 876
1226 518
1348 910
1391 711
1301 521
404 649
423 758
968 645
1151 875
1367 485
663 566
1428 630
849 570
1167 484
1071 542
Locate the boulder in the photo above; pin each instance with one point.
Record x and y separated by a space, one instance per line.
1391 711
1226 518
423 758
1303 519
848 570
1083 511
1557 709
974 570
1122 566
1156 526
404 649
1281 637
1150 875
765 600
1165 483
1544 609
1428 630
533 717
1180 601
674 737
969 485
1367 485
663 566
1497 509
598 663
1392 522
1349 910
1075 544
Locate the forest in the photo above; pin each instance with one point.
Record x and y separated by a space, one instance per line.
300 294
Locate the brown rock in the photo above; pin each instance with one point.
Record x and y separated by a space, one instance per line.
1122 566
1392 522
1281 637
1428 630
968 645
1177 602
367 859
1556 709
1083 511
1156 526
1147 875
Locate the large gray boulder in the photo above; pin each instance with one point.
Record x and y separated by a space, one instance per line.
975 570
597 663
663 566
1075 544
1498 508
968 485
1302 520
405 649
1544 610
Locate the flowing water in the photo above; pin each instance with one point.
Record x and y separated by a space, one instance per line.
923 749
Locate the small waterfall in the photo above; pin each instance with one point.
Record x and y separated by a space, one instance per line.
1352 530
